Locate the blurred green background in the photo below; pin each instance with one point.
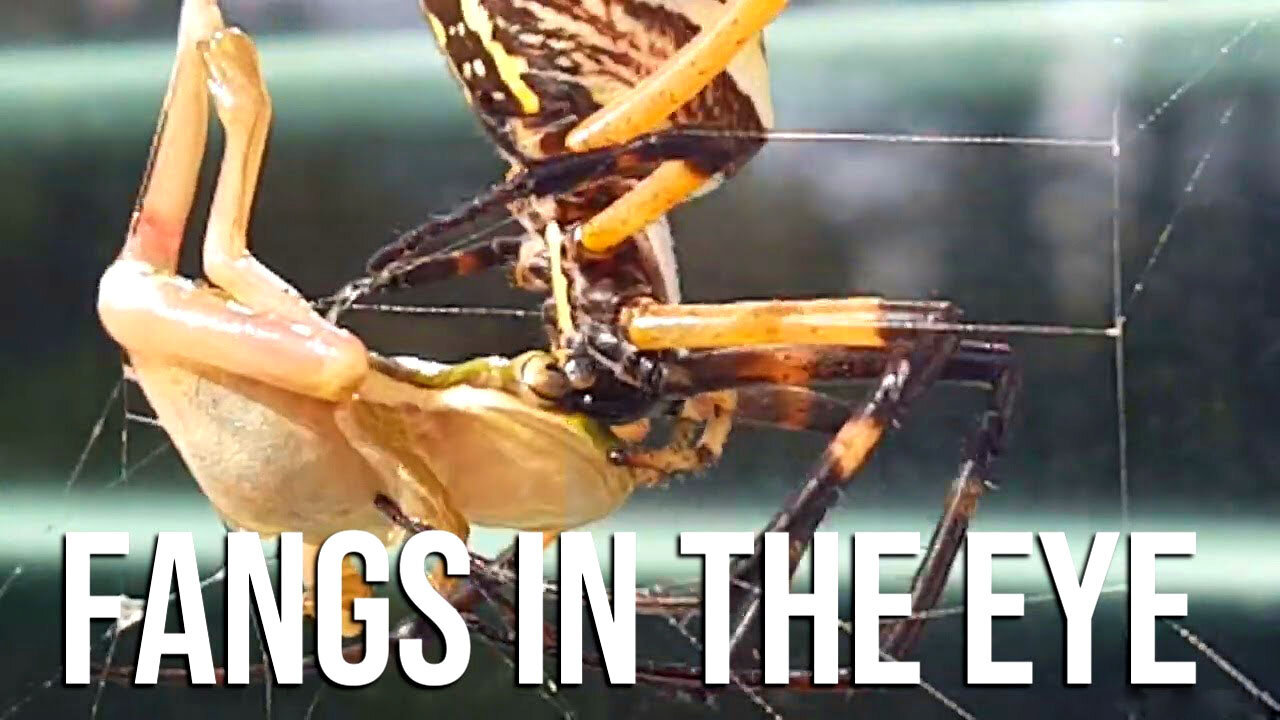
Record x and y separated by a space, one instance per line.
370 136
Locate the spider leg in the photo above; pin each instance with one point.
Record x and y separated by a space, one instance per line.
770 381
645 106
466 594
792 408
673 182
907 374
1002 378
567 172
989 365
854 321
413 269
793 367
859 322
625 344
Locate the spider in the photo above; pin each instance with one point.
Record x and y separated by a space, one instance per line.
611 114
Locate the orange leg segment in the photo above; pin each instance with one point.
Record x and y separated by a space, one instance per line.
647 106
665 188
684 75
863 322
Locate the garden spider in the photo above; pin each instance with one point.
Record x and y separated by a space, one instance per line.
611 114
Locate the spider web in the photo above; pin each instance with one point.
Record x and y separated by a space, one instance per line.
119 408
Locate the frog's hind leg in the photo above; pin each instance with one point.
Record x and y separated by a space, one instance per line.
264 331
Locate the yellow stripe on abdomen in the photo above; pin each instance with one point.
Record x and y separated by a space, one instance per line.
510 68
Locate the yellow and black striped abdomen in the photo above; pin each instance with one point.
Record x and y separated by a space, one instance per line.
533 69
